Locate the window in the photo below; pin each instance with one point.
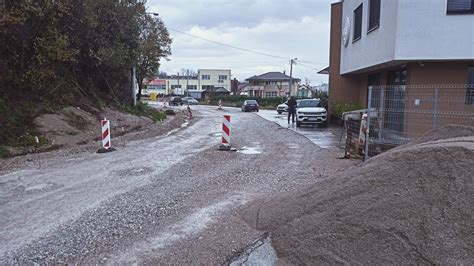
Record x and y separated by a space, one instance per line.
206 77
271 94
470 86
207 87
357 23
175 87
222 77
460 7
191 87
374 15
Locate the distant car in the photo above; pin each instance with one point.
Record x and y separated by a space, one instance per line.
250 106
282 107
310 112
176 101
189 100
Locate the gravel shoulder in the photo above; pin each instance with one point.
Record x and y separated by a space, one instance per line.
171 200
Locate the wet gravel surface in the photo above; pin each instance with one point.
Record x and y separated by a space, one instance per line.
168 200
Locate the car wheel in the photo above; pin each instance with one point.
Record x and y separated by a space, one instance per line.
298 124
324 124
279 113
257 110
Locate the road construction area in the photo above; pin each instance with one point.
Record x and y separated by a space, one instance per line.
172 199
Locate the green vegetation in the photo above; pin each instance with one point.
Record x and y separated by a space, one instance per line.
339 108
143 109
75 120
264 102
4 152
61 53
170 112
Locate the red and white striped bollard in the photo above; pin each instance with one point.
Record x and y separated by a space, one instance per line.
225 140
105 133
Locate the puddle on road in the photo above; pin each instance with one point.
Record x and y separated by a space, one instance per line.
216 134
293 146
250 150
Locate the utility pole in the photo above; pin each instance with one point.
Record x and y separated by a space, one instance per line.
292 61
134 80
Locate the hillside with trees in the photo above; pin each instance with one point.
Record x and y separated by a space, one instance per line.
58 53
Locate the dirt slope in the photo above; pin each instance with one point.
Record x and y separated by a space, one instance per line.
411 205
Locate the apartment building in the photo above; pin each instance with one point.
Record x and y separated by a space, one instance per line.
180 85
271 84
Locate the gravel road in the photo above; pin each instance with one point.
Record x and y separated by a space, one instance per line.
172 199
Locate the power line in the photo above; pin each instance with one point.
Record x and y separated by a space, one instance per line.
230 46
248 50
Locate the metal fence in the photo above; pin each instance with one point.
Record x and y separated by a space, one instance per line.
397 114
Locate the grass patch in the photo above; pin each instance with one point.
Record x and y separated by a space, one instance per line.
75 120
4 151
71 133
143 109
28 140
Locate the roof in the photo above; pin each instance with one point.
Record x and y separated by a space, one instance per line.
324 71
271 76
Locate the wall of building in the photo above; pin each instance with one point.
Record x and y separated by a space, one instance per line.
434 35
214 78
375 47
342 89
409 31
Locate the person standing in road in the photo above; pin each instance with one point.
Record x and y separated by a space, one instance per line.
291 109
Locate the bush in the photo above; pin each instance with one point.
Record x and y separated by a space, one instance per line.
143 109
170 112
338 109
4 152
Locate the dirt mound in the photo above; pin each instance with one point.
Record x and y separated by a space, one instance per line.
72 125
407 206
446 132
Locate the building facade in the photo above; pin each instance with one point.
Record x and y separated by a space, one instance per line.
399 42
183 85
271 84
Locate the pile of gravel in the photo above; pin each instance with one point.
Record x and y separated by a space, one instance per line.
410 205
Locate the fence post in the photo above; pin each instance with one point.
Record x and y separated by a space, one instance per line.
366 151
435 107
380 116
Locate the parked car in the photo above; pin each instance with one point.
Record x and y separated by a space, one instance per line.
310 112
176 101
282 107
189 100
250 106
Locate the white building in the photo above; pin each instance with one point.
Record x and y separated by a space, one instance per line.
180 85
399 42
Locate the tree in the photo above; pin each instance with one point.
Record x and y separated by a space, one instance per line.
154 45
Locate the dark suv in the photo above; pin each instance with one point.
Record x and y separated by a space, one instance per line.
249 106
176 101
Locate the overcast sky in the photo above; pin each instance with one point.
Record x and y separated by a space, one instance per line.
285 28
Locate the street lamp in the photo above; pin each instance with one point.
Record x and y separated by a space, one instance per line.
292 61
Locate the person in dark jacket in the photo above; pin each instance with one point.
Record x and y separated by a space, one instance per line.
291 109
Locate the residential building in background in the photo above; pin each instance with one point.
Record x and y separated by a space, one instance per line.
205 79
271 84
398 43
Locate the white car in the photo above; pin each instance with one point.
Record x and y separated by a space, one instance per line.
282 107
310 112
189 100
